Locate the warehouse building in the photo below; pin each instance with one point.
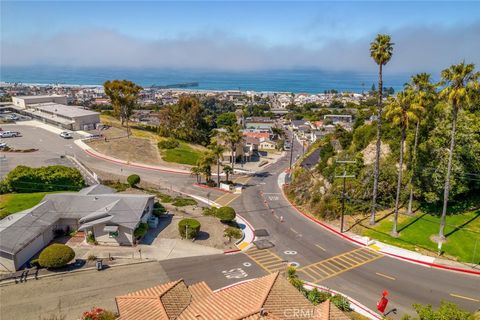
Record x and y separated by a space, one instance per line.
54 110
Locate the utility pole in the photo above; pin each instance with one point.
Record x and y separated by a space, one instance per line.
344 176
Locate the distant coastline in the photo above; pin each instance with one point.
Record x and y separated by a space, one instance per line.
298 81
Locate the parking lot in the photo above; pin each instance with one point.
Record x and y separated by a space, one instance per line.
12 116
51 148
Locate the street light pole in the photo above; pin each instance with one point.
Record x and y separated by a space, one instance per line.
344 176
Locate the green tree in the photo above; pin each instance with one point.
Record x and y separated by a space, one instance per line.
401 111
123 95
217 151
424 96
228 171
196 171
461 83
381 50
205 164
226 119
232 137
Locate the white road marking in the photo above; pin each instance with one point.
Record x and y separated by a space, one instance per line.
236 273
290 252
247 264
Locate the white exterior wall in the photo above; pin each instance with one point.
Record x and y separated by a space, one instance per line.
90 120
29 251
6 262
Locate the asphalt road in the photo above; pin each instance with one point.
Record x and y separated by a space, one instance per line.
73 294
296 239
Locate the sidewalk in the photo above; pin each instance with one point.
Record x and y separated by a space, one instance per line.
389 250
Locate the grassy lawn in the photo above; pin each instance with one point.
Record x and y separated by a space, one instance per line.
462 232
183 154
15 202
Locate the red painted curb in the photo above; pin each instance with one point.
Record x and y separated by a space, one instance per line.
132 165
231 251
214 188
433 265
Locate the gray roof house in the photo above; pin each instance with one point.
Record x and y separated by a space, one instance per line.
109 216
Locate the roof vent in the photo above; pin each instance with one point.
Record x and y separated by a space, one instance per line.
263 312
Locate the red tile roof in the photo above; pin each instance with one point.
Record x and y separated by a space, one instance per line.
270 297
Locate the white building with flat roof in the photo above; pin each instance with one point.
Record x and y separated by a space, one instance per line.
54 110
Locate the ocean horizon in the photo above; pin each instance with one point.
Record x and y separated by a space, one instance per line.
298 80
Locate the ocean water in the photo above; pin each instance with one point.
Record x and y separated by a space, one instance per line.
309 81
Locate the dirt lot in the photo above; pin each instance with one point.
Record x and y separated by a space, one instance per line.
134 149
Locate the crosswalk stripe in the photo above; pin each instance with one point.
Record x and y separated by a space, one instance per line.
336 265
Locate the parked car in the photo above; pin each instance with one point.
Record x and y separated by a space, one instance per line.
94 136
9 134
13 117
3 145
66 135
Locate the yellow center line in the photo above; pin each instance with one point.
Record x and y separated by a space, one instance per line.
463 297
384 275
320 247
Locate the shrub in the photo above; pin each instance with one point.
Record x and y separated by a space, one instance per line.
165 198
91 239
316 297
34 263
232 233
98 314
141 230
56 256
158 209
117 185
226 214
209 211
133 180
170 143
50 178
91 257
188 228
341 302
183 202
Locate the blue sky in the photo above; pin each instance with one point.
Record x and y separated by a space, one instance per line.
268 32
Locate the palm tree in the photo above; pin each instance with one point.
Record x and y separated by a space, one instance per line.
217 150
232 136
381 51
227 170
196 171
424 95
460 81
205 164
401 111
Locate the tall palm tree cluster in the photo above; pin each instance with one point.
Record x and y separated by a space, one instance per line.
458 87
231 137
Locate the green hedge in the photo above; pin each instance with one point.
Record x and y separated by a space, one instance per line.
191 226
183 202
51 178
56 256
158 209
226 214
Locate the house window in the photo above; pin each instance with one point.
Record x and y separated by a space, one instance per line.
113 234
